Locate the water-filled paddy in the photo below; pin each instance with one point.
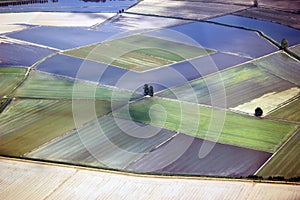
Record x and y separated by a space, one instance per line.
16 54
224 39
60 37
161 78
71 6
275 31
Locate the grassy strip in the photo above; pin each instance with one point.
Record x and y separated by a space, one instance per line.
10 77
27 124
290 112
41 85
286 162
139 52
238 130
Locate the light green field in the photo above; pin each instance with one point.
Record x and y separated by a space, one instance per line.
10 77
286 162
41 85
139 52
238 130
290 112
27 124
242 84
281 65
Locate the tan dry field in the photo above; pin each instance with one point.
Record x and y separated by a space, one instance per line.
185 9
53 19
32 180
268 102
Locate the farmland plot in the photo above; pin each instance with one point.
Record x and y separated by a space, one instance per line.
139 22
268 28
9 78
281 17
242 84
221 38
286 162
222 160
183 117
290 112
40 181
27 124
103 143
13 53
60 37
281 65
54 18
139 52
42 85
295 49
188 9
70 6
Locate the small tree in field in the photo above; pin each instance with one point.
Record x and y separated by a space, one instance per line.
146 90
284 44
255 3
151 91
258 112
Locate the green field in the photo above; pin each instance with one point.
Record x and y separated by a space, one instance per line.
286 162
290 112
41 85
27 124
139 52
242 84
282 65
239 130
10 77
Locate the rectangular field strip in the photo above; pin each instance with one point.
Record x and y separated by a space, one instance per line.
239 130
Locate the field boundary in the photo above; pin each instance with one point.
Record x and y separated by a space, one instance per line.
141 175
293 135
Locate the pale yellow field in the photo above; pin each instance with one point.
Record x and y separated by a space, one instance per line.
28 180
268 102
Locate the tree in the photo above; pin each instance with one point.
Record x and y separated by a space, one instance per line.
151 91
255 3
284 44
146 90
258 112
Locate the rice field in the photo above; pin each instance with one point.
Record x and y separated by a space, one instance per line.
192 119
278 16
222 160
242 84
281 65
289 112
103 143
9 78
27 124
268 28
286 162
27 54
42 85
188 9
139 52
40 181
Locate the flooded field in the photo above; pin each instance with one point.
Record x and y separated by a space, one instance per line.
13 53
268 28
60 37
67 6
223 39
